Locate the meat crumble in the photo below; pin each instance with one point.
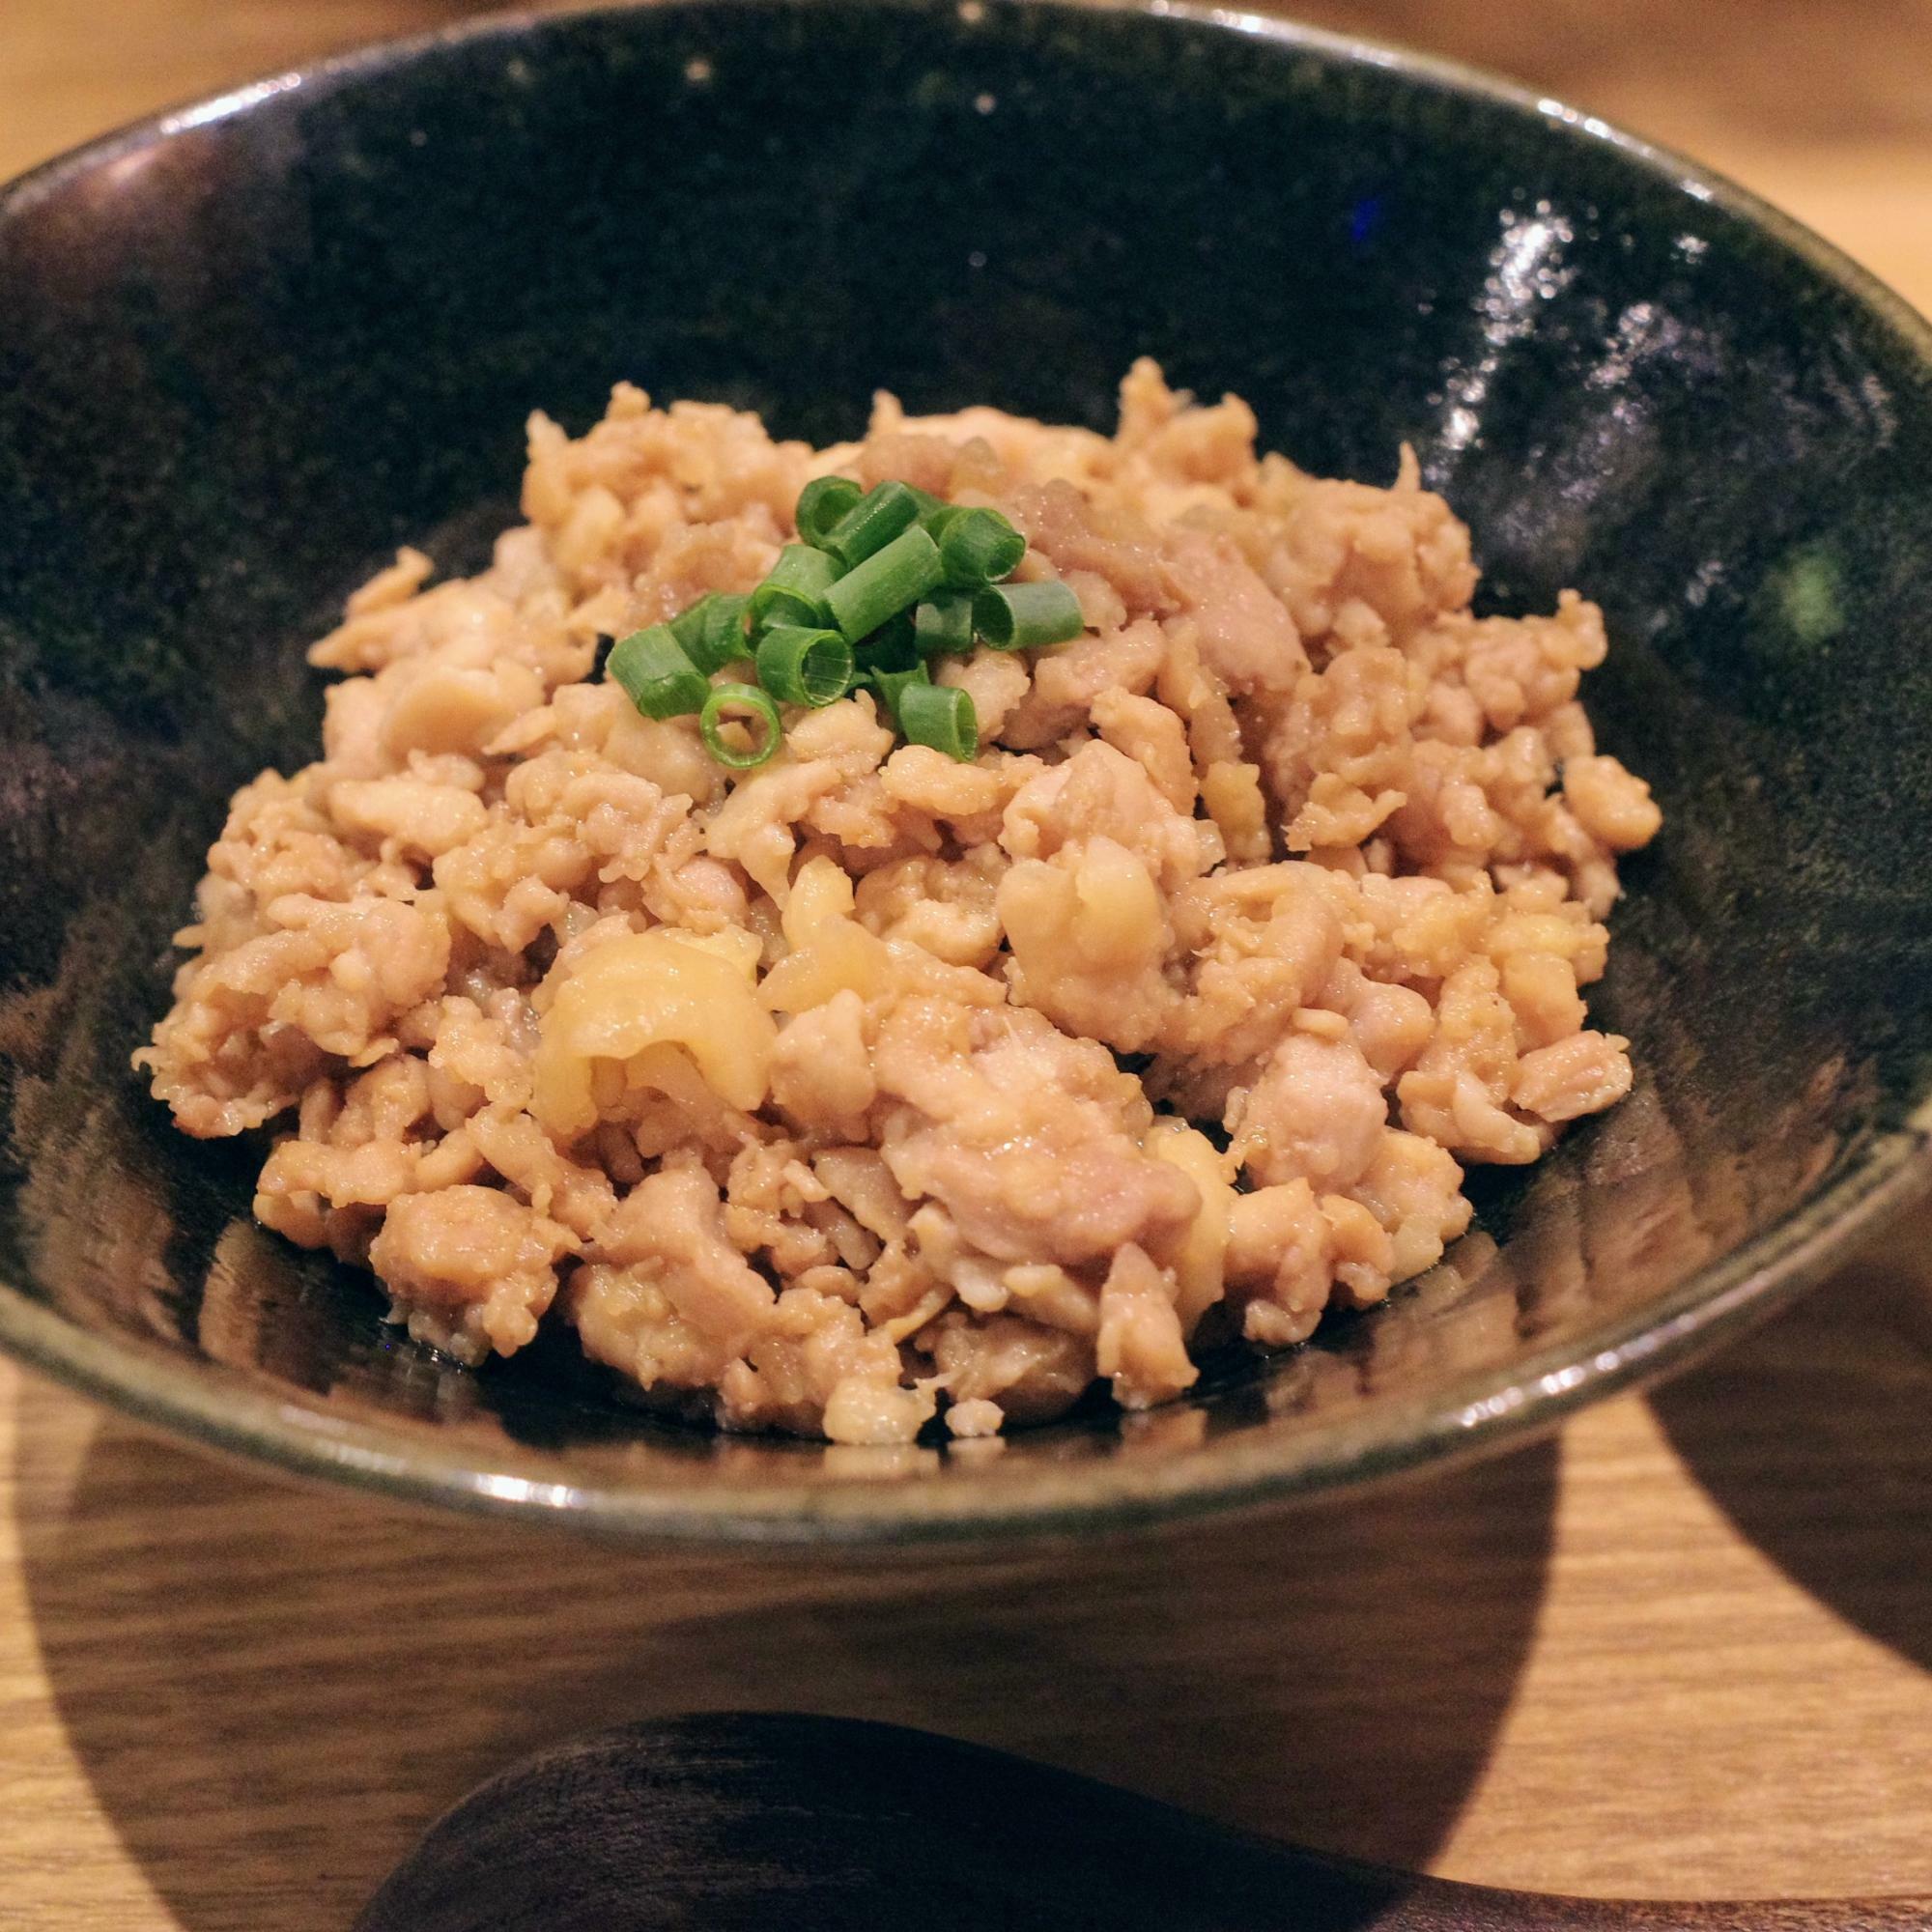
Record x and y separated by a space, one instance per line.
871 1085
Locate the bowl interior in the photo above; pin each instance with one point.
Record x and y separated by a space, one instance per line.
247 351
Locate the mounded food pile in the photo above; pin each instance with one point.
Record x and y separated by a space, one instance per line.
1018 911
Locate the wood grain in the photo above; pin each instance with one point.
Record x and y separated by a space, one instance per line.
1687 1650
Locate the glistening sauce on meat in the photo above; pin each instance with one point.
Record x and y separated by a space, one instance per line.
868 1083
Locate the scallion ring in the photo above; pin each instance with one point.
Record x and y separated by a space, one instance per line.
1027 616
934 512
978 547
889 581
873 523
712 631
944 622
890 684
821 503
794 588
799 665
941 716
656 673
746 698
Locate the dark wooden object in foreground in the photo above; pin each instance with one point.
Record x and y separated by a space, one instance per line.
746 1824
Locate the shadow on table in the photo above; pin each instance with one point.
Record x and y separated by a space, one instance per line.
1814 1435
274 1691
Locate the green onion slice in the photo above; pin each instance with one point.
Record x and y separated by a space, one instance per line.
1027 616
978 547
821 503
944 622
890 684
934 512
888 582
802 666
712 631
656 675
942 716
745 698
775 604
800 567
873 523
794 588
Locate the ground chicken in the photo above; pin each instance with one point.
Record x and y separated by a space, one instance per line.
473 1267
867 1088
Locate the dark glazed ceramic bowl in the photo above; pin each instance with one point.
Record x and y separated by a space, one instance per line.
248 348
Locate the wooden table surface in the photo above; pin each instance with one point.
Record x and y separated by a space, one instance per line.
1685 1649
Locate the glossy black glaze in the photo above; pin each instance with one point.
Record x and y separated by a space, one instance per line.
247 350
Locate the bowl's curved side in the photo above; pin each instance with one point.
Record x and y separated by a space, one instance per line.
1869 1158
1481 1415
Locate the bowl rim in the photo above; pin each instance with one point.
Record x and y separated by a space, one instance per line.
1470 1415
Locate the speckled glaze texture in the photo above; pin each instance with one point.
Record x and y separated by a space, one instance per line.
246 350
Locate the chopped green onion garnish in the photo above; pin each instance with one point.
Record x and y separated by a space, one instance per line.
712 631
656 675
748 699
880 582
944 622
1026 616
794 588
889 683
873 523
800 567
779 604
887 582
800 665
980 547
942 716
934 512
820 505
